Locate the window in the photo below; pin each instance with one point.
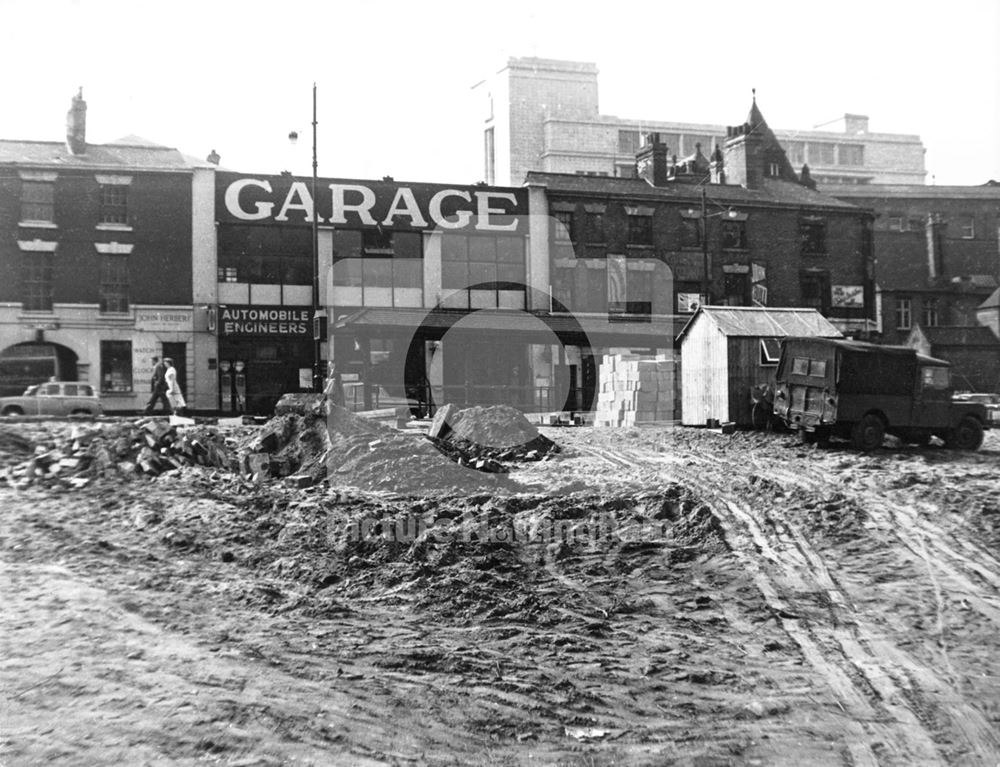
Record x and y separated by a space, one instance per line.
625 171
482 263
734 235
894 223
804 366
904 313
930 313
594 228
114 204
851 154
737 289
116 366
796 151
114 284
640 230
690 232
821 153
935 378
770 351
267 255
813 235
915 224
967 227
491 162
773 169
562 225
628 141
227 274
592 173
36 280
38 201
815 291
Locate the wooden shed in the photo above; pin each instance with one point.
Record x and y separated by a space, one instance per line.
727 350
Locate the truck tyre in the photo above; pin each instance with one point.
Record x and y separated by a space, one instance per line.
868 433
968 435
13 410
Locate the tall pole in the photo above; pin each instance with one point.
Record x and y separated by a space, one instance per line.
704 251
317 372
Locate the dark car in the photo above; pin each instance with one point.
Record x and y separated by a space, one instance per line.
862 392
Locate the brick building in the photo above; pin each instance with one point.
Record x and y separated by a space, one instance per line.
100 252
739 227
937 251
543 115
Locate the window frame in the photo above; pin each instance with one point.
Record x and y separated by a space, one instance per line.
109 372
37 272
114 285
904 313
46 206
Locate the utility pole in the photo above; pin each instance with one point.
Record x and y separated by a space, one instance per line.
705 301
317 321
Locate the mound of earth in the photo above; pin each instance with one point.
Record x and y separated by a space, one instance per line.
488 434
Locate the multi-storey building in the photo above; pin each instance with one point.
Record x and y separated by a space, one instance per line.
101 258
937 250
543 115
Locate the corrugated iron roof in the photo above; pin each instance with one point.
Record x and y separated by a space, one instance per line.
766 322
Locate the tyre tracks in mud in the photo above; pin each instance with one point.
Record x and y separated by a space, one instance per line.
898 709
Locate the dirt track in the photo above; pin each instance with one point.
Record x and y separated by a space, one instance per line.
645 597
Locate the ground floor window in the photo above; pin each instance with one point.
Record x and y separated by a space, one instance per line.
116 366
37 282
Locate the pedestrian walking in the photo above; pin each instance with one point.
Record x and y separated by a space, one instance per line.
158 387
174 393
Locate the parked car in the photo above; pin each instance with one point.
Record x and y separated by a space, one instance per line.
860 391
990 401
54 398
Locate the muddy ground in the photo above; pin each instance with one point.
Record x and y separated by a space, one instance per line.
643 597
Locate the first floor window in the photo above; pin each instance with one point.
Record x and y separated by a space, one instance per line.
482 263
967 227
930 313
691 232
36 282
813 235
594 227
816 291
734 235
114 284
562 225
38 201
904 313
114 204
116 366
640 230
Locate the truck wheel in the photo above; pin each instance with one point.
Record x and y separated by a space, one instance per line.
968 435
868 433
13 410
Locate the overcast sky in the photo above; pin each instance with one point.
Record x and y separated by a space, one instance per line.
395 78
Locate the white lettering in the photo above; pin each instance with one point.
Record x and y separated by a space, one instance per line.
305 204
340 207
461 217
483 200
409 208
233 200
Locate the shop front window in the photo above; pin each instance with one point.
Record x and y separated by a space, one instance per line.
116 366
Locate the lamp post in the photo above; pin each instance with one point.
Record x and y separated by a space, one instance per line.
317 371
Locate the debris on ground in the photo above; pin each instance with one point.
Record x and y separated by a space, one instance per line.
75 455
485 437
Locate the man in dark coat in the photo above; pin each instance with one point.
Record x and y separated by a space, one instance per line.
159 388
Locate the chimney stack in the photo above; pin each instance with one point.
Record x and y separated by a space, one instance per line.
744 150
651 161
76 125
213 157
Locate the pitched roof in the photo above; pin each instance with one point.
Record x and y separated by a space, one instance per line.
917 191
766 322
992 302
115 156
960 335
772 191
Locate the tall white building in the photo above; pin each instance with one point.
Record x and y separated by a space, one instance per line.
543 114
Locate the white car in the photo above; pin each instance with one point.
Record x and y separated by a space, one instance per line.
59 398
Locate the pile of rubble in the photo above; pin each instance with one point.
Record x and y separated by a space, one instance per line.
74 456
483 438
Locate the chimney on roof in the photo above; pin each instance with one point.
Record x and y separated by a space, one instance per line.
76 125
805 177
717 167
652 160
213 157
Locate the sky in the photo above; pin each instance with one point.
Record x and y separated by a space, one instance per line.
394 79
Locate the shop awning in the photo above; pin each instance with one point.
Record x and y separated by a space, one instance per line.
531 327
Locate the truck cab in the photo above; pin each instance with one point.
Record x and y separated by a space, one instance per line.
863 391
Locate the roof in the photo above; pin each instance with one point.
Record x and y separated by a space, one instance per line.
993 302
765 322
959 335
917 191
115 156
659 331
771 191
864 347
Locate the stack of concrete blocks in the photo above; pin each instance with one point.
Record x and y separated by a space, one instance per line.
635 390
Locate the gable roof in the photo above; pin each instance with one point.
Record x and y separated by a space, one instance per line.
766 322
993 302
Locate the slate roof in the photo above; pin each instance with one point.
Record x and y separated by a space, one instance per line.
960 335
765 322
771 191
917 191
124 156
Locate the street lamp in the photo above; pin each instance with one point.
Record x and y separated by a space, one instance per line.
317 372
